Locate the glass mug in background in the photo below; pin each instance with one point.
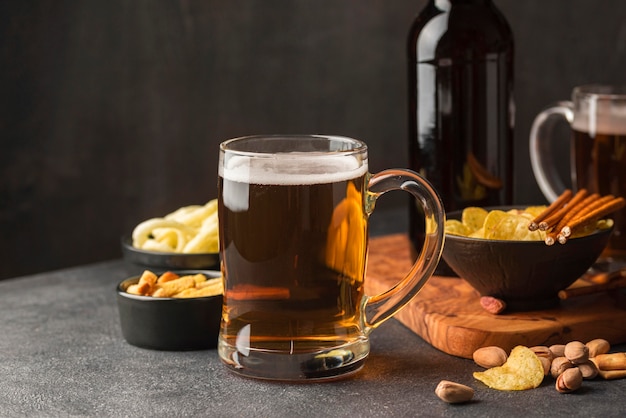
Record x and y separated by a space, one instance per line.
597 117
293 214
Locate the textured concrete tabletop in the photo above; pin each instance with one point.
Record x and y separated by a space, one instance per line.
62 354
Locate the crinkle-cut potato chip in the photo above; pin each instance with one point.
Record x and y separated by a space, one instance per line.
473 218
521 371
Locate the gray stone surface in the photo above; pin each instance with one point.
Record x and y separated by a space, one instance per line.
62 354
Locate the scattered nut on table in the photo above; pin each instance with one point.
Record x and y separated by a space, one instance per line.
598 346
559 365
558 350
576 352
452 392
569 364
569 381
543 351
488 357
588 369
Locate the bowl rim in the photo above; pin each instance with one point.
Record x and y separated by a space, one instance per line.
457 215
123 285
168 260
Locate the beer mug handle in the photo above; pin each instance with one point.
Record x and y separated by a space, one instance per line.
382 307
541 148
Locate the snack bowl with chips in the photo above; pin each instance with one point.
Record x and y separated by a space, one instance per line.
186 238
525 274
169 322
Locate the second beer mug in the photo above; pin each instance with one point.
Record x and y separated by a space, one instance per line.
293 214
597 117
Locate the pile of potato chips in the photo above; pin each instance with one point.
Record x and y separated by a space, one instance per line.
497 224
511 225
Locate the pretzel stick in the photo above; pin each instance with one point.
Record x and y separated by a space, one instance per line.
553 219
585 210
577 222
557 231
614 280
554 206
581 207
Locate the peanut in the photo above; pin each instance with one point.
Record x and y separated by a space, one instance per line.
489 357
453 392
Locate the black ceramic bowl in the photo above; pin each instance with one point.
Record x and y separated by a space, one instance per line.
527 275
160 260
169 323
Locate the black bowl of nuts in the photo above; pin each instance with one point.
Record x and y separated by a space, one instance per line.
494 251
174 310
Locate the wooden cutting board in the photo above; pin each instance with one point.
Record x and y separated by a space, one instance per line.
447 313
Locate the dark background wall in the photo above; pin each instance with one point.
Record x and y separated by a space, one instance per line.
112 111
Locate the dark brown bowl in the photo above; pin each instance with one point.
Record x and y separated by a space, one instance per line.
161 260
169 323
527 275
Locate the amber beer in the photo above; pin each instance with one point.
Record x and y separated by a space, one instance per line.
600 165
293 213
294 255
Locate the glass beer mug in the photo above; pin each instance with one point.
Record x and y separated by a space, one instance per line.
597 118
293 214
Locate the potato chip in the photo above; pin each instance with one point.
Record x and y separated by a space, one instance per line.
535 211
473 218
604 224
522 370
509 227
455 227
492 222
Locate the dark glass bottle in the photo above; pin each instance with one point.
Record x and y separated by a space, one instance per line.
461 109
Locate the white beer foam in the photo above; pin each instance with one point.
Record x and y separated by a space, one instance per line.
604 120
289 170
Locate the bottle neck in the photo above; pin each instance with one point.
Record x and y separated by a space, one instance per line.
476 2
447 4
